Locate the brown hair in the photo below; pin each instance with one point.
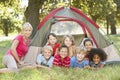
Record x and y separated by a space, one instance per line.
71 38
87 40
52 35
63 46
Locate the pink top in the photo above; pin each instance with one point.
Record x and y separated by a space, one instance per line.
22 48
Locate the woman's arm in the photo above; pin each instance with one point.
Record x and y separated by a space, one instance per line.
14 52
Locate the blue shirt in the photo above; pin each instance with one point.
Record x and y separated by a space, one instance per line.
41 60
74 63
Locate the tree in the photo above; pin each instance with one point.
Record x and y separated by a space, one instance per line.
117 2
38 9
9 16
98 10
32 13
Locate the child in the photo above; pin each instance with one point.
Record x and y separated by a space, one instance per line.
62 59
88 44
46 58
78 59
52 41
97 57
68 40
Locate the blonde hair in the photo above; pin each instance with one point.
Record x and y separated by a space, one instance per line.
71 38
27 25
78 50
47 47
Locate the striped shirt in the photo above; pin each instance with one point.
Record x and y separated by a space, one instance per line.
61 62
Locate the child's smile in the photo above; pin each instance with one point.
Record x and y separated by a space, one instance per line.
96 59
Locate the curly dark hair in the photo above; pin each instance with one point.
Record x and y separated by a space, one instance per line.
99 52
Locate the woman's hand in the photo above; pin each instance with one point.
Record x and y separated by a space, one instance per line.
21 62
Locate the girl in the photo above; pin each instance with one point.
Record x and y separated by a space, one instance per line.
52 41
18 49
88 44
68 40
97 57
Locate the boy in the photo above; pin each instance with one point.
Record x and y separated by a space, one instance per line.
62 58
78 59
45 59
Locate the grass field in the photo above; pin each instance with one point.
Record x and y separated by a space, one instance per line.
109 72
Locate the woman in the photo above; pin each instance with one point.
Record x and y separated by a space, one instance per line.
19 48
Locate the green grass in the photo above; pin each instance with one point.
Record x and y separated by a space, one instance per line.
110 72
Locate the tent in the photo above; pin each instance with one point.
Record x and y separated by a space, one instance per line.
71 20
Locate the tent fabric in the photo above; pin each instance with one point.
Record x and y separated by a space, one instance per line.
30 57
90 28
69 13
112 53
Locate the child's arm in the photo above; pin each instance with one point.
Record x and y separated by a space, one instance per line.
56 51
102 65
56 60
86 64
39 59
71 63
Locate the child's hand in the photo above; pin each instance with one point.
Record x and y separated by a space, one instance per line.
87 67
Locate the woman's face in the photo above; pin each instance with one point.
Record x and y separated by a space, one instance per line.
88 45
68 42
63 52
47 53
27 31
52 40
96 59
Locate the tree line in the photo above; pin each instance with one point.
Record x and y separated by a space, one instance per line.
103 12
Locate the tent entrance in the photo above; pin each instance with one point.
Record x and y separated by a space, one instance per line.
62 28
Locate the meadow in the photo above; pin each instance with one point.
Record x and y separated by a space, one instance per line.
109 72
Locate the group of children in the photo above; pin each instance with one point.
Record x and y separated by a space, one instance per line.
53 53
67 54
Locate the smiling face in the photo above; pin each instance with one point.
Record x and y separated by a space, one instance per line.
47 53
96 59
68 42
27 31
80 56
52 40
63 52
88 45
